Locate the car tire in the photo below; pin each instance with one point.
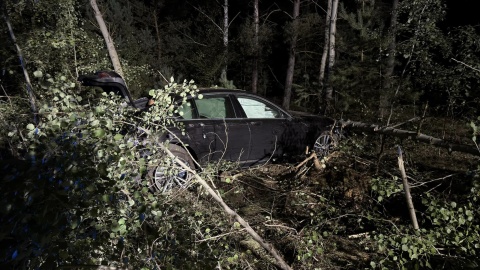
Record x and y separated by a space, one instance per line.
326 143
165 178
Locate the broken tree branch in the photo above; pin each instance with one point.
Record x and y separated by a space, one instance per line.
406 188
31 97
316 162
372 128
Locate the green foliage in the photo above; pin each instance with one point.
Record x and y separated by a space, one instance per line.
76 196
449 229
385 188
361 44
54 39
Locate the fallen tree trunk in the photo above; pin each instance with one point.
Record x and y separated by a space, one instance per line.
417 136
279 261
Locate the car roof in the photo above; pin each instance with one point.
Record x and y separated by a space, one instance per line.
212 90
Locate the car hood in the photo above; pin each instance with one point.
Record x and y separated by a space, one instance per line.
305 115
312 118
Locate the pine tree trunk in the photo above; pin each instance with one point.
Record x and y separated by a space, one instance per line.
291 58
386 93
256 21
108 39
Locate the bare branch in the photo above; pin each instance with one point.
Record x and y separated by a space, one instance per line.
460 62
208 17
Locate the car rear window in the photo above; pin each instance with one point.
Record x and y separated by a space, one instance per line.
256 109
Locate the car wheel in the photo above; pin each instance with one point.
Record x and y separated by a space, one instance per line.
326 143
166 177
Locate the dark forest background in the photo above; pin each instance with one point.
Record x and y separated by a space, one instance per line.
71 195
437 42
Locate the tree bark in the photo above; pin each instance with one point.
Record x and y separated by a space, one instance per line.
406 188
291 58
157 32
256 22
386 93
225 40
331 55
108 39
414 135
323 62
31 97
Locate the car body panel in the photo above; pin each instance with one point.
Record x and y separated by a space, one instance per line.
233 125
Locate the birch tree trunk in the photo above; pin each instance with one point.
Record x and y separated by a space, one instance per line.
331 54
386 93
108 39
291 58
225 41
31 97
256 21
323 62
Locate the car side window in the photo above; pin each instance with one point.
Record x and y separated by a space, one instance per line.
215 107
257 109
185 111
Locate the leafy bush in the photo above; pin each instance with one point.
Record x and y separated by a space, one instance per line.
449 228
75 194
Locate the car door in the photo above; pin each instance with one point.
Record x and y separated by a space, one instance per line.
231 134
267 123
199 133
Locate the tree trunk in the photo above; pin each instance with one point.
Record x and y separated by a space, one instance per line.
414 135
108 39
31 97
386 93
225 41
279 261
256 21
323 63
291 58
157 32
331 55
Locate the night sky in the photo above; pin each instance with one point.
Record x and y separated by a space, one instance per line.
463 12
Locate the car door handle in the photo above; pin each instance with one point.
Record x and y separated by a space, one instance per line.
256 123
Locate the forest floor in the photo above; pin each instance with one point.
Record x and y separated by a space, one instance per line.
335 205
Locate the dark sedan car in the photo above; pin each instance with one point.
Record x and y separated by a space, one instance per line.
231 125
